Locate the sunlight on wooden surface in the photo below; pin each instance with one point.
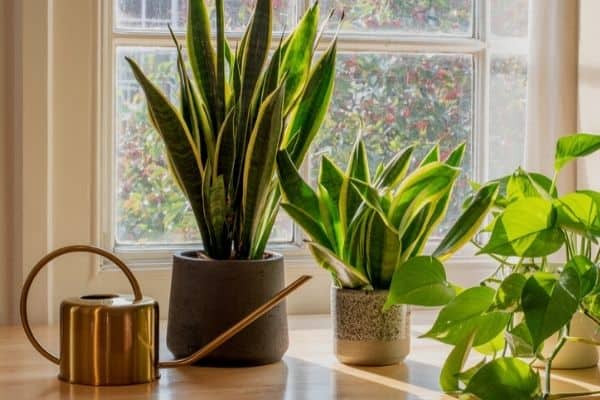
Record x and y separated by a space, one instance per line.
309 371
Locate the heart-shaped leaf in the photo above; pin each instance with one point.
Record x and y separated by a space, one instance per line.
505 378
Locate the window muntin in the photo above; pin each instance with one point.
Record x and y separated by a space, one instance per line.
459 82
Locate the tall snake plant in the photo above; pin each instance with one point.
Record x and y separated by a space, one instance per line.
237 110
370 231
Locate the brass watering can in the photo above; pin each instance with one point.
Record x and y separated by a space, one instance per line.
110 339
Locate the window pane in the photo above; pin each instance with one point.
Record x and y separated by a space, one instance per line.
400 100
507 114
449 17
154 15
509 18
149 206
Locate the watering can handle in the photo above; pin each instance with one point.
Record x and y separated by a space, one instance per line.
42 263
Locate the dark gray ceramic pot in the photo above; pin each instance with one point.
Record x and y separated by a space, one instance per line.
365 335
209 296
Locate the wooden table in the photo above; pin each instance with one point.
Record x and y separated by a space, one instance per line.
309 371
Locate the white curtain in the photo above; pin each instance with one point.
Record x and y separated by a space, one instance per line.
552 83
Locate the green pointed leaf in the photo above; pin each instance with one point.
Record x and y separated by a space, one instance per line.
305 121
259 166
433 155
571 147
455 158
201 53
181 153
420 281
395 170
526 228
349 276
382 251
358 167
295 190
312 227
505 378
330 219
468 223
331 177
549 303
297 58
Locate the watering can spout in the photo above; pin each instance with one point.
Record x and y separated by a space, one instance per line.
112 339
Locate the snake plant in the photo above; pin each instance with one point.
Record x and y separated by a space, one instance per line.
369 231
238 108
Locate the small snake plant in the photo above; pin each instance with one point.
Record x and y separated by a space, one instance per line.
237 110
370 231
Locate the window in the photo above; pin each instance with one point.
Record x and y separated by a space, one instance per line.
409 72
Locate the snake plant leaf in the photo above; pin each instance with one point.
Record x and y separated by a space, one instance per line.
201 53
395 170
217 211
254 55
305 121
549 303
295 190
455 157
221 82
312 227
580 212
331 177
354 244
526 228
449 376
424 186
297 56
266 224
433 155
330 219
420 281
178 142
415 237
347 275
468 223
259 166
467 311
382 247
358 166
224 154
372 198
571 147
505 378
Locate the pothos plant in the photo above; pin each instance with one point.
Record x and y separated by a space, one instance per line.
369 230
238 108
509 317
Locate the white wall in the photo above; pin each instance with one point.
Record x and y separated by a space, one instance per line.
588 170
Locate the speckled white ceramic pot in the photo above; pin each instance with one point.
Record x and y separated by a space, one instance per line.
363 333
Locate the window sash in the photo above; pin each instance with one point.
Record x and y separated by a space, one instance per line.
480 46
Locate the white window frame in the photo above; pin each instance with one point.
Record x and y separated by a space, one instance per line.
159 256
